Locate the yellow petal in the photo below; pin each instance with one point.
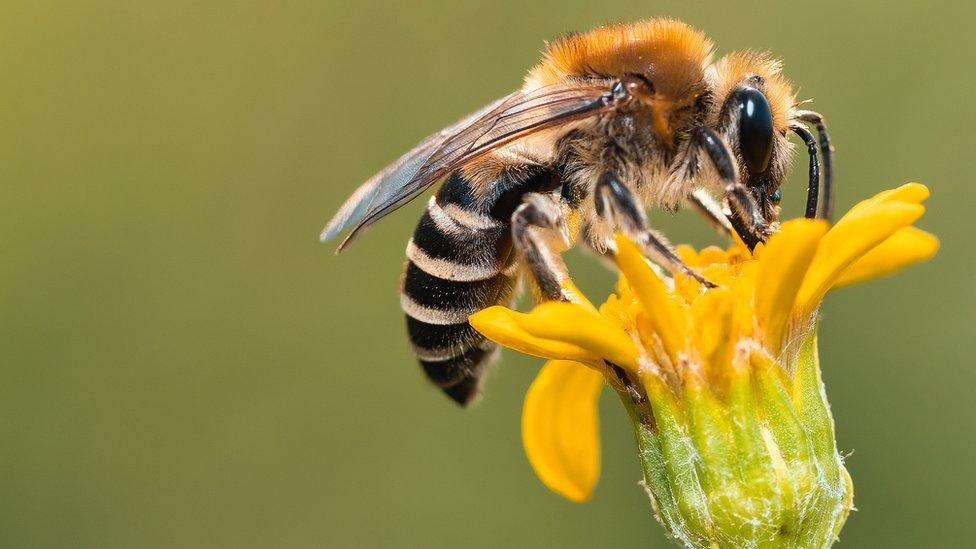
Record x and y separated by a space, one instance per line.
579 326
713 254
687 254
711 316
575 295
501 325
908 245
743 286
911 193
847 242
561 430
664 313
686 287
784 263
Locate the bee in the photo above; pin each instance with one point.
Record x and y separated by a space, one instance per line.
609 123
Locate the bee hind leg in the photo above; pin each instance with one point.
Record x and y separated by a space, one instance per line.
617 206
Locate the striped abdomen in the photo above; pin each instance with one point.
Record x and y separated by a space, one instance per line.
459 261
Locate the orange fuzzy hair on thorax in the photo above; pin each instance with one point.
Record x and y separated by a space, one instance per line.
671 53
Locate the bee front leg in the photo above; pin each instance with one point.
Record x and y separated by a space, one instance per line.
617 206
746 218
540 236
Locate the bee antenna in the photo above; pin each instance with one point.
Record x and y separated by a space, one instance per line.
813 186
827 154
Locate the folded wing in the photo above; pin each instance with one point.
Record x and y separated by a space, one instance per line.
513 117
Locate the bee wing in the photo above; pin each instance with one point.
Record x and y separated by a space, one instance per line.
508 119
396 175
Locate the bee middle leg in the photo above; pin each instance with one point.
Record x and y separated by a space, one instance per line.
540 235
617 206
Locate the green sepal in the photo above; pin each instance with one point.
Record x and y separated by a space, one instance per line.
752 464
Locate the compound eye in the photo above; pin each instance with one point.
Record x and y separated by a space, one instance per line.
755 130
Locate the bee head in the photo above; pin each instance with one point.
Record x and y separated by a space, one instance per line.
754 114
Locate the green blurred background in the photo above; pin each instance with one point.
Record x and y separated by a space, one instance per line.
184 365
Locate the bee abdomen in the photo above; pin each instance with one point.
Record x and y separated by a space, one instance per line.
458 263
451 352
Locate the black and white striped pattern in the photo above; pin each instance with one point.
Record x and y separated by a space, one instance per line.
460 260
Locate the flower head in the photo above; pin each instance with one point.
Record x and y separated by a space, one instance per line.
722 384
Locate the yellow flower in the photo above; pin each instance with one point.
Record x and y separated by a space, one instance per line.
723 385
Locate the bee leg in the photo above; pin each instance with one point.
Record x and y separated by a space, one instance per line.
602 251
540 235
617 206
827 155
746 218
711 210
